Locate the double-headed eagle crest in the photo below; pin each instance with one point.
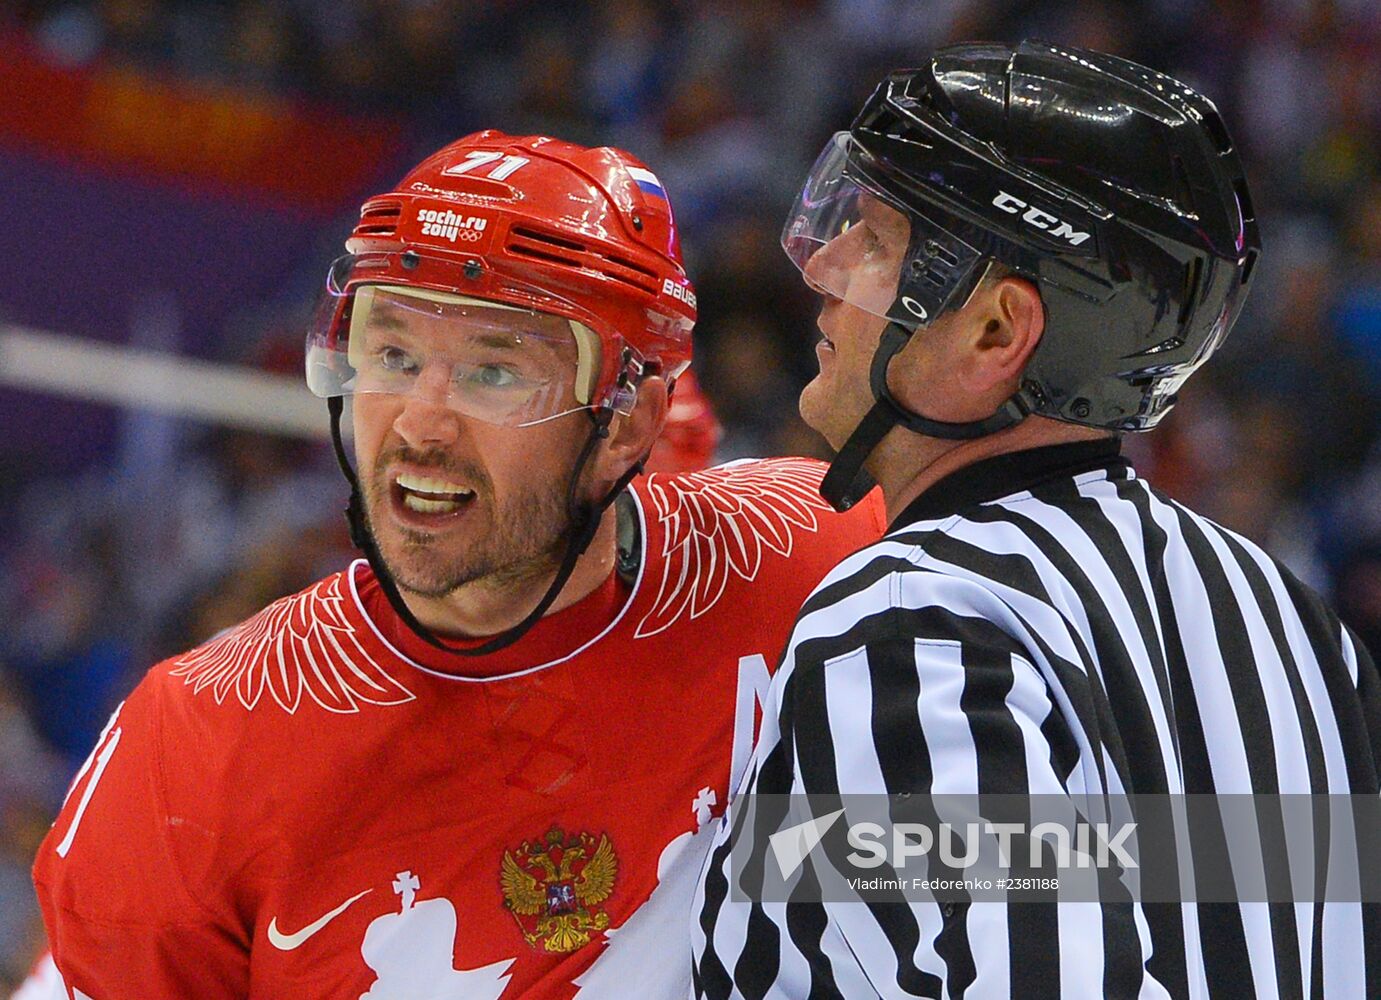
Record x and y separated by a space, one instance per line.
554 887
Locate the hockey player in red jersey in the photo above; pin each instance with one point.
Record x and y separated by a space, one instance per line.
484 761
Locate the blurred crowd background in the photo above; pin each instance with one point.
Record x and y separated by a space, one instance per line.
129 536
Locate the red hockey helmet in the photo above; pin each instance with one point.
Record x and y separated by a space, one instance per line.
494 225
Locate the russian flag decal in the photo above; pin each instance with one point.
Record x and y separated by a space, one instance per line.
648 182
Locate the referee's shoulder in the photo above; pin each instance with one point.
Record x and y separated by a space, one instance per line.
894 573
871 570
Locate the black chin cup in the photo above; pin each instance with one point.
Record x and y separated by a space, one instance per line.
846 482
584 522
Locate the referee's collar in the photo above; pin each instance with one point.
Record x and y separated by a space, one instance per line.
1012 472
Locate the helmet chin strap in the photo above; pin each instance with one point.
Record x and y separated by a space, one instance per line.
584 522
846 482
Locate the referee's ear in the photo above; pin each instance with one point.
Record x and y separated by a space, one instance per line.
1004 324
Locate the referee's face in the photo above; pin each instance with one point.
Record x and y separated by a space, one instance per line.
856 272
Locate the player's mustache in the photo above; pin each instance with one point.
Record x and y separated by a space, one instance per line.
435 459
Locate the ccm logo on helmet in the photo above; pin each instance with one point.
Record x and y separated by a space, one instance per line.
678 292
450 225
1041 220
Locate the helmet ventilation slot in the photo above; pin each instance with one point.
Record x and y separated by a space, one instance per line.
1184 192
541 245
1244 199
544 254
1221 140
1191 287
632 273
545 246
537 236
637 268
1252 256
380 218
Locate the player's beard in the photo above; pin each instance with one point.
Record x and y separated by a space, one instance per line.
519 541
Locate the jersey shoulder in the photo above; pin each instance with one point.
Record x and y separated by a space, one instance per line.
752 522
778 499
313 650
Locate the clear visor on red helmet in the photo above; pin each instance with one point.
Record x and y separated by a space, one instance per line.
855 243
457 334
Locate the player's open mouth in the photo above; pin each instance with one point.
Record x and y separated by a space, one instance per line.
430 495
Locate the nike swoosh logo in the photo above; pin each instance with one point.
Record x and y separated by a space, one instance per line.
287 942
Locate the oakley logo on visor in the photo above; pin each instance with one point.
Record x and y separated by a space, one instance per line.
915 308
1040 219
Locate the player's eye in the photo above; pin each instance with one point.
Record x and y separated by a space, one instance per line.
395 359
490 377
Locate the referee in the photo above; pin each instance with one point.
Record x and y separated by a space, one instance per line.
1023 253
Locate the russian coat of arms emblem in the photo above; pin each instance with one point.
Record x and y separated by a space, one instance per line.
554 886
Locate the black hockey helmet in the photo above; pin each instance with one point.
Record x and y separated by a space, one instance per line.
1116 190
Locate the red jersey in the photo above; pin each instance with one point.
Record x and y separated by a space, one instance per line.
317 804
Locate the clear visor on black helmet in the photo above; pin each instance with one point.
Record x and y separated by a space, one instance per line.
854 242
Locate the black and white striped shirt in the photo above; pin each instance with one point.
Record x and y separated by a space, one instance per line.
1045 622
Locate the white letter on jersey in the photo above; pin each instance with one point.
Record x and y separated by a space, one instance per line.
110 737
753 679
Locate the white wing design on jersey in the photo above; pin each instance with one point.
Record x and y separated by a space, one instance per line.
303 643
718 522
